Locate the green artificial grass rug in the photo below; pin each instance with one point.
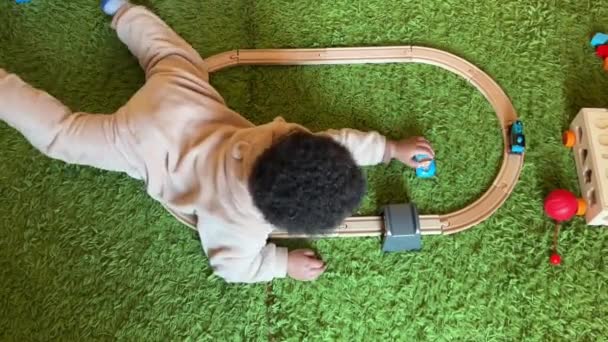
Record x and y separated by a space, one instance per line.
86 255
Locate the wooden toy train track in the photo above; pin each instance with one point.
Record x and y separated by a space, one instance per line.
450 223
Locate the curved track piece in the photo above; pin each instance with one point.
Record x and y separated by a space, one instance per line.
450 223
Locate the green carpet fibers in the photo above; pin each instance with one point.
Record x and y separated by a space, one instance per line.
86 255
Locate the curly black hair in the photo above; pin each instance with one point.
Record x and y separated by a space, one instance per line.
306 183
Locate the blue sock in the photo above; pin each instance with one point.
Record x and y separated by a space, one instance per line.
110 7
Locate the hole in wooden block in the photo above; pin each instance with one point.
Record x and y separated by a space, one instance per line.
604 139
579 133
584 153
591 197
601 124
587 175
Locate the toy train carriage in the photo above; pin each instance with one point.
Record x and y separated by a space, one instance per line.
517 138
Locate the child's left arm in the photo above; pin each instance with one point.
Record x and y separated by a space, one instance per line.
77 138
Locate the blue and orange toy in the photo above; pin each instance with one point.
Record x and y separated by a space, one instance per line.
599 39
600 43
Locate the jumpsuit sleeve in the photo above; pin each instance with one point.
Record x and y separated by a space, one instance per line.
241 254
367 148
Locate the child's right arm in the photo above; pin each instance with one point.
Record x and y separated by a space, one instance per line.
241 254
372 148
367 148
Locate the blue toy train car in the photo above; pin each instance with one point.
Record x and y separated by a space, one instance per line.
425 172
518 139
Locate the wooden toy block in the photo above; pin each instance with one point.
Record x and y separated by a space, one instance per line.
590 127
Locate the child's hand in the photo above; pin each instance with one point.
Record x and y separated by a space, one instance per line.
405 150
302 264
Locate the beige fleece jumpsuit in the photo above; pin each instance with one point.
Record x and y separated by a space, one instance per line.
178 136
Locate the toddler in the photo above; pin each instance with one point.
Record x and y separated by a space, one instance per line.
210 167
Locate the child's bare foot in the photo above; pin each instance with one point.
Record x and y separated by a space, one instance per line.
110 7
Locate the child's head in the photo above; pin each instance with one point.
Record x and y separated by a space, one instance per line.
306 183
